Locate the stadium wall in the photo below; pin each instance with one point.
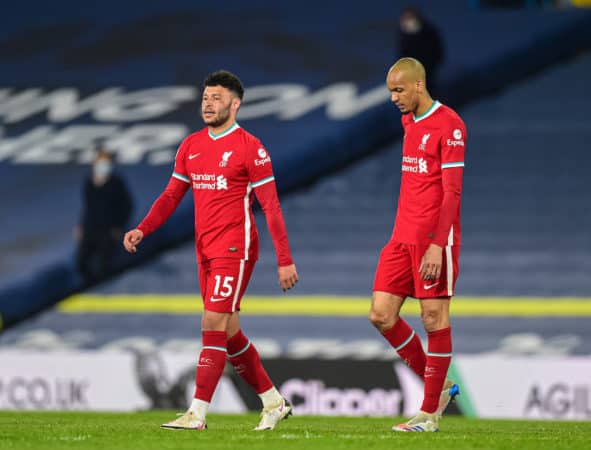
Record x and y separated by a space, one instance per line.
329 134
491 386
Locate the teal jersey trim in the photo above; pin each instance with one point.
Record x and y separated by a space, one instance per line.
427 113
263 181
181 177
214 136
452 164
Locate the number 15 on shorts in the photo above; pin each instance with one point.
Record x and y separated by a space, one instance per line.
223 288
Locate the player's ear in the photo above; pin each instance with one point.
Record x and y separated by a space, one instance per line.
236 103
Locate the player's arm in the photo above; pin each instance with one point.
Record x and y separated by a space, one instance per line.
165 204
452 172
260 174
431 263
450 205
266 193
159 213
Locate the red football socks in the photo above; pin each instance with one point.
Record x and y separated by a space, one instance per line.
438 360
408 345
247 362
211 364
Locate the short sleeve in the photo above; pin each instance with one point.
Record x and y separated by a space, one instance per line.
180 170
258 164
453 144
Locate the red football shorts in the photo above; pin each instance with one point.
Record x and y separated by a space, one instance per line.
398 272
223 282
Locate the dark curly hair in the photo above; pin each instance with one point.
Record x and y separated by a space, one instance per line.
225 79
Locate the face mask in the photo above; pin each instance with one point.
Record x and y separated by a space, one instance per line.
411 26
102 169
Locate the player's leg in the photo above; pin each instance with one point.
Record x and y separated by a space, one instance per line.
210 367
246 361
218 281
435 316
438 390
393 282
384 315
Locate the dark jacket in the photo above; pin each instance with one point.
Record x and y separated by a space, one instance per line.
105 207
426 46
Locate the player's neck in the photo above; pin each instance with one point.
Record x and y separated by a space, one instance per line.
425 104
222 128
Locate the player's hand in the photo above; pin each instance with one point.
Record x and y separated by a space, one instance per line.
132 239
430 268
288 277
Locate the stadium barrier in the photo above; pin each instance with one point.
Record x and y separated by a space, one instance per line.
491 386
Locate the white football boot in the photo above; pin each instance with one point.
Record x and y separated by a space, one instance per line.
422 422
271 416
186 421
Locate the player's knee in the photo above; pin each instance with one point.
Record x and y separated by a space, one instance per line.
382 320
431 320
214 321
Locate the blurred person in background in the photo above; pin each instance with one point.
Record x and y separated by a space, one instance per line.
106 209
223 165
420 39
421 260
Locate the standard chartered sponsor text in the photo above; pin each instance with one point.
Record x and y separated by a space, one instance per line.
218 182
419 165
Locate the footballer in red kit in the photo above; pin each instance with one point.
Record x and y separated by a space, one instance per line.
225 166
421 259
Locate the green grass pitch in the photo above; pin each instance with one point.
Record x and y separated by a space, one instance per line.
75 430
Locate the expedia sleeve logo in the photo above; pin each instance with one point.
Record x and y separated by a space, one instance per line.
457 140
265 158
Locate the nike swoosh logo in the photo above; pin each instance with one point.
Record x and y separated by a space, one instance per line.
214 300
194 156
430 286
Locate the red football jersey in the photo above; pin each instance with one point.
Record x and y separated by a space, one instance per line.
433 142
222 171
